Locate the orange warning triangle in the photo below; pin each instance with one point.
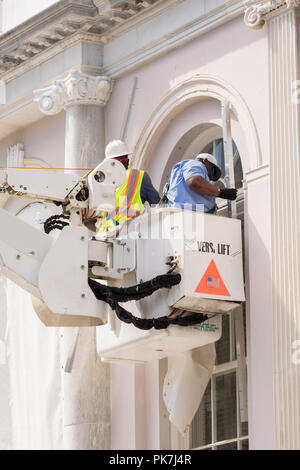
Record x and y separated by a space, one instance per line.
211 282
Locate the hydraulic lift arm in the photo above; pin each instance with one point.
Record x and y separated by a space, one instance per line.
55 270
94 191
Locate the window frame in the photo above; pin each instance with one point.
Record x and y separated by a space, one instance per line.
219 370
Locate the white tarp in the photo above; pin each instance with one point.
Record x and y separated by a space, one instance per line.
34 410
33 379
185 383
5 414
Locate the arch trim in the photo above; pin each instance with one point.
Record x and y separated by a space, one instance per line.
186 93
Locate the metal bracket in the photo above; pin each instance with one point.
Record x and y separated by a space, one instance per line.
121 260
73 201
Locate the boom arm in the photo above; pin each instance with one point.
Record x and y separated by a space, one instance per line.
55 271
95 191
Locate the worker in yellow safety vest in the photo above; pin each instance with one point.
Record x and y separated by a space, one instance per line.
132 195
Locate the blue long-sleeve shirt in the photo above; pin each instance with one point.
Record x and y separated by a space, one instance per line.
180 195
148 192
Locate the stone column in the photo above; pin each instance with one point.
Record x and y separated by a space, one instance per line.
285 204
86 393
285 215
84 136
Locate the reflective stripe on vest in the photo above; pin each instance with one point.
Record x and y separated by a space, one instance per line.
128 197
128 200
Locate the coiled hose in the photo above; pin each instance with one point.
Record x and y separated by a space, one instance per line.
113 295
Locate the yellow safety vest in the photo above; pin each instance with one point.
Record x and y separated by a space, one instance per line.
128 201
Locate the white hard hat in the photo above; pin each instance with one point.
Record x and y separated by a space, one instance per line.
116 148
213 160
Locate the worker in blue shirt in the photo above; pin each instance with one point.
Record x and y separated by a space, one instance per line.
189 186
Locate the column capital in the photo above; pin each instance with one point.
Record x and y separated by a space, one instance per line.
76 88
257 12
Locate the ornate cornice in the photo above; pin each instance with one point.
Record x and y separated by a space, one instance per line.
76 88
257 12
62 20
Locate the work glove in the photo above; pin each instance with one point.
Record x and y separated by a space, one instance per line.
228 193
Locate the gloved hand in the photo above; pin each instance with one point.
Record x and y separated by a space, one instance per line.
228 193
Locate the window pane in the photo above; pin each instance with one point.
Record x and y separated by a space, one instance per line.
245 444
230 446
220 155
223 345
238 172
244 429
200 430
226 406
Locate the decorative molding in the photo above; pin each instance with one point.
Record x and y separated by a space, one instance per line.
50 53
50 99
185 93
20 105
16 158
15 155
257 12
170 41
77 88
62 20
257 173
190 31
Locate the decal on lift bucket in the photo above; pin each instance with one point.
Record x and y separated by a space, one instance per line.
212 282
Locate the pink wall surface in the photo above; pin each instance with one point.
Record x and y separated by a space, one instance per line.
216 53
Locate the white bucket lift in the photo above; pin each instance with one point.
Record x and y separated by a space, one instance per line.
207 251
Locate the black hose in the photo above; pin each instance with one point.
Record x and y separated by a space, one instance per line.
58 221
113 295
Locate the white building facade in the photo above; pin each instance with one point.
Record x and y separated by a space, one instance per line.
76 74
